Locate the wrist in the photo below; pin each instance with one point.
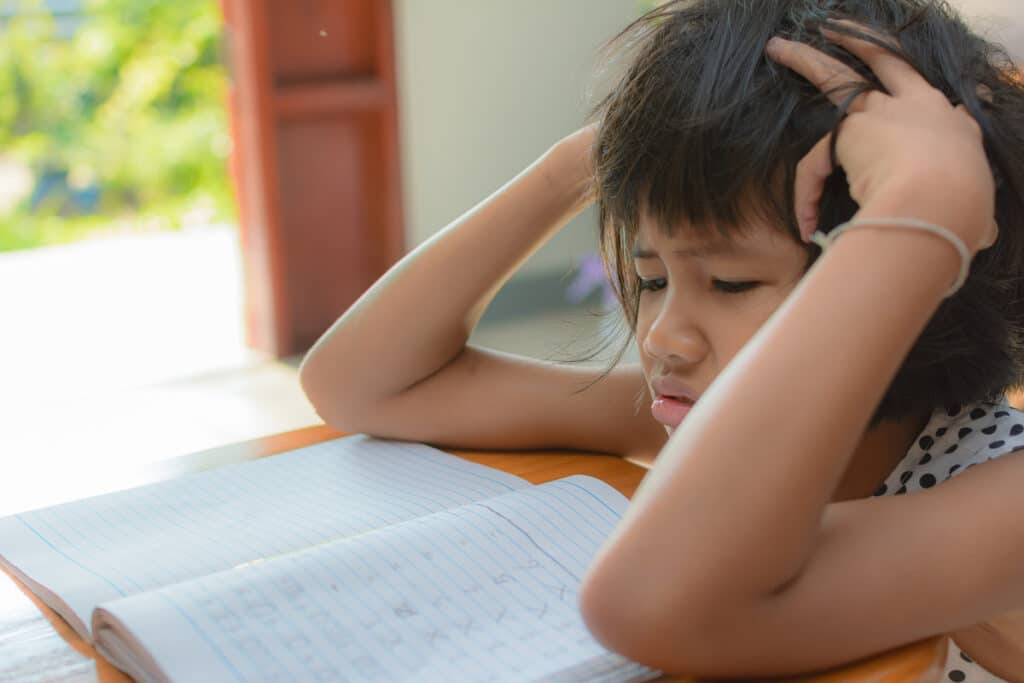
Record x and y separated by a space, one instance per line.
567 170
967 212
909 262
892 224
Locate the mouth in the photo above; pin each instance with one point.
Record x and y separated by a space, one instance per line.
670 410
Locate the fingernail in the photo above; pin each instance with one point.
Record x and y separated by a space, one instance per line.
807 227
773 46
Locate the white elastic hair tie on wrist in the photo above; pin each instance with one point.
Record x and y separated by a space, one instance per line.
825 241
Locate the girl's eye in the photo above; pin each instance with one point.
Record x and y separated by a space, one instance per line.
724 286
653 284
728 287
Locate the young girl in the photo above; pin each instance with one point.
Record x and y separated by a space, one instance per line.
797 386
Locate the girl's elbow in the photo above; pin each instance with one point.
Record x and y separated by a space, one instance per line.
638 622
600 611
325 401
309 376
311 384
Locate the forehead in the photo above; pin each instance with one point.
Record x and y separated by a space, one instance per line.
754 242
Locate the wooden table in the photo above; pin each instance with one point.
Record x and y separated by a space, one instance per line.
36 644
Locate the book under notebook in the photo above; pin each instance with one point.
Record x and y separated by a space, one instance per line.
355 559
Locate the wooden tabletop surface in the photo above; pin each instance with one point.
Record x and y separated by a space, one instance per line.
37 645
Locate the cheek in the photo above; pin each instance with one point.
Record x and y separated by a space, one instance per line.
732 342
743 329
643 324
644 318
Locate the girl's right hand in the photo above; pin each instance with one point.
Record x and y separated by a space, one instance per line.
909 147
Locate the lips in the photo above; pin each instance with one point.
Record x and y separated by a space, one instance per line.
673 400
670 411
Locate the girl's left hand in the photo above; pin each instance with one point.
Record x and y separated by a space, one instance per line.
908 151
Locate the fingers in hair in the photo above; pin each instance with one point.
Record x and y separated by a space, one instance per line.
834 78
898 76
811 174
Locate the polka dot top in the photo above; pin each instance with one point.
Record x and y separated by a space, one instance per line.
955 440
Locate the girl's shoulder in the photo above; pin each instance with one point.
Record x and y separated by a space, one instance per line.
956 439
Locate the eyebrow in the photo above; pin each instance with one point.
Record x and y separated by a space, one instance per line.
705 250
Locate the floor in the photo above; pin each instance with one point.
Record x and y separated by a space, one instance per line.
121 352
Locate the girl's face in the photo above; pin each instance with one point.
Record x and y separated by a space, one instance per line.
700 302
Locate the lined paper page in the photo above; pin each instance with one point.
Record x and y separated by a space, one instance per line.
123 543
484 592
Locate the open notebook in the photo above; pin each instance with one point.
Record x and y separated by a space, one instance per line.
351 560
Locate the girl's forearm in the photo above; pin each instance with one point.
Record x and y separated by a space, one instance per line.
418 316
741 486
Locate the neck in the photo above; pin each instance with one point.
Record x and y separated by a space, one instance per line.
877 454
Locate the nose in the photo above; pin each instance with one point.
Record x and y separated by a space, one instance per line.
674 336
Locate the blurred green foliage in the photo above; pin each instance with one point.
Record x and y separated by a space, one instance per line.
129 109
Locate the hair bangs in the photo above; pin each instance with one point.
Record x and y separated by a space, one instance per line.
703 132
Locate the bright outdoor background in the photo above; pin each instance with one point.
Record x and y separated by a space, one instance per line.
119 251
128 347
113 119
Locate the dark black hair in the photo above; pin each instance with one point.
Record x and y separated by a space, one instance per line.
703 130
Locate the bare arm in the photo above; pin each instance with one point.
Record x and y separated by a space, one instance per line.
747 566
396 363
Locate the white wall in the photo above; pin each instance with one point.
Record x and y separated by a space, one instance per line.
485 87
999 20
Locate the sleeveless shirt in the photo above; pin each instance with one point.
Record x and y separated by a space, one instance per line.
956 439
